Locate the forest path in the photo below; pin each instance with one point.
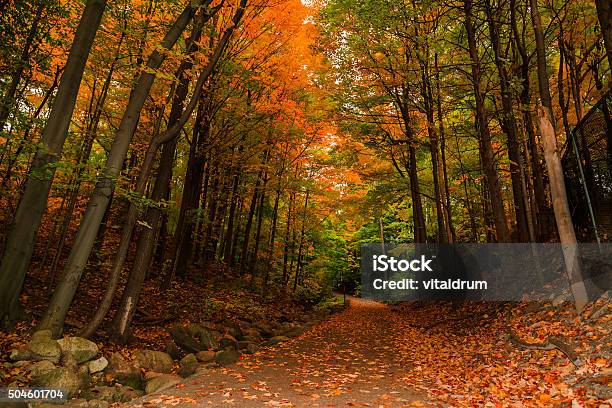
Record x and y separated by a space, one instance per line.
347 360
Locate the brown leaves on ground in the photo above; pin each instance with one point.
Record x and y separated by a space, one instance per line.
471 362
419 355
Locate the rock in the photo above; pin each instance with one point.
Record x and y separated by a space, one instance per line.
81 349
600 312
251 334
210 326
63 378
126 394
98 404
275 340
189 365
232 328
73 403
161 383
193 338
100 392
83 373
45 349
172 349
562 298
228 341
227 357
83 369
205 356
264 328
247 347
42 334
152 360
40 368
205 337
95 366
124 372
69 361
296 331
149 375
253 339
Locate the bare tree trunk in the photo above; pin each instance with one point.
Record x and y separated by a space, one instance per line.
257 239
272 240
301 246
545 97
129 301
286 240
146 242
604 13
447 202
467 201
209 242
20 241
486 149
562 211
54 317
508 122
244 254
229 231
541 215
443 232
233 253
90 135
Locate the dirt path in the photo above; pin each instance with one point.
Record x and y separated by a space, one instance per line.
348 360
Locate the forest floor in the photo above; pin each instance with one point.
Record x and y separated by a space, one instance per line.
347 360
417 355
408 354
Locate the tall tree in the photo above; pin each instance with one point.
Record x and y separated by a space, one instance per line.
604 13
20 241
55 315
486 149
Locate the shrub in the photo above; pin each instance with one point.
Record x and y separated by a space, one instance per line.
311 293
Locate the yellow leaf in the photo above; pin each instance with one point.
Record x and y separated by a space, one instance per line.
544 397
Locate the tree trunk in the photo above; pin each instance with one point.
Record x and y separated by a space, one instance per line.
540 216
229 231
146 241
286 240
244 254
486 149
129 301
604 14
447 202
272 239
301 246
90 135
545 97
233 253
20 241
257 239
562 211
508 122
54 317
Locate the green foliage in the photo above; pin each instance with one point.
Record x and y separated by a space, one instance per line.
330 305
311 292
